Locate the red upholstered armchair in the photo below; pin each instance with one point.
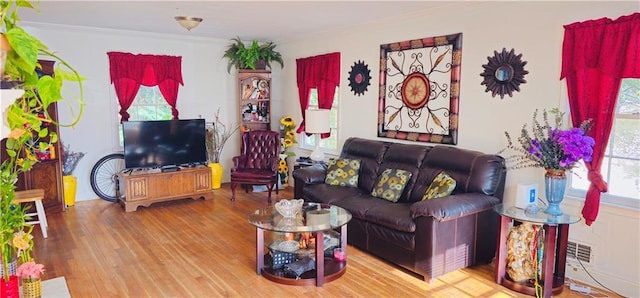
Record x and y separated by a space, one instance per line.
257 163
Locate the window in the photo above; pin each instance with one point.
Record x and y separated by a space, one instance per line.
329 144
149 104
621 164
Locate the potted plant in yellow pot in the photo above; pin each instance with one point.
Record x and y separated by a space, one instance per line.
26 132
216 138
70 160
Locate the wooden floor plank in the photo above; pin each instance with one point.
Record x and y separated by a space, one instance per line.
204 248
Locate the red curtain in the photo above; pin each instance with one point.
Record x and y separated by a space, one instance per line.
129 71
321 72
596 55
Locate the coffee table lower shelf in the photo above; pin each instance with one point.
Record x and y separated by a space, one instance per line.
332 271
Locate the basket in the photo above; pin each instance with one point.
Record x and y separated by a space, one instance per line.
31 288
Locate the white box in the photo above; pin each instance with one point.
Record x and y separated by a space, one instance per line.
526 194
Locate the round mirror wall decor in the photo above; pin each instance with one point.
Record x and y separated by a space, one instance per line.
359 78
504 73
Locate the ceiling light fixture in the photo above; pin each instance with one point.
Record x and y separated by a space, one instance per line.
188 22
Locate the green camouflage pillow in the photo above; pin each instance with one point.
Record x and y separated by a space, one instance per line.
390 184
343 172
441 186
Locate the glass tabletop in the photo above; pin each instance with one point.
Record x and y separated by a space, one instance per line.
312 218
539 217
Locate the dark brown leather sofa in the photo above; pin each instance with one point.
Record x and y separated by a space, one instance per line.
430 237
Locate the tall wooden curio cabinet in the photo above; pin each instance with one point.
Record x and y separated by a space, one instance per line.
255 99
47 173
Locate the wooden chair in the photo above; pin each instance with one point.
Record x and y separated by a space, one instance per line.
36 196
258 161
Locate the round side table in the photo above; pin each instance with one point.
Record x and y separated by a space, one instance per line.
555 253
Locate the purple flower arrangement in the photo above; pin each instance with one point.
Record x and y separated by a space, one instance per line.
550 147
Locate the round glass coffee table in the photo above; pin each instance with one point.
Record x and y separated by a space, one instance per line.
315 220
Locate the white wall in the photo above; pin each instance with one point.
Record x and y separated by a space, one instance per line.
207 86
532 29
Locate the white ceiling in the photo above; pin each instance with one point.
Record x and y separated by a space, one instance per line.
263 20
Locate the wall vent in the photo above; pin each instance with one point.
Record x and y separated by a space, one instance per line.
578 251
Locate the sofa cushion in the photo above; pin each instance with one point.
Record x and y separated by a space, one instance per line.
390 184
360 204
406 157
343 172
370 153
441 186
396 216
330 194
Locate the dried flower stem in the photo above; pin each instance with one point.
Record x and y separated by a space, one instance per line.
217 137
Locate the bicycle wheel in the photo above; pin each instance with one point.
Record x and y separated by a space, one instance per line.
104 176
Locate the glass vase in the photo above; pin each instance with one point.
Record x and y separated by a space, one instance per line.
555 182
31 288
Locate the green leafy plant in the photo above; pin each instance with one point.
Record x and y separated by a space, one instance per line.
243 57
29 130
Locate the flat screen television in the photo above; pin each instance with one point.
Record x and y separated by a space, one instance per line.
150 144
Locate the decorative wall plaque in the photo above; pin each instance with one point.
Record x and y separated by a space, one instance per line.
419 89
359 78
504 73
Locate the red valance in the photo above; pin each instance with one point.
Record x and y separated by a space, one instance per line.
129 71
147 70
602 44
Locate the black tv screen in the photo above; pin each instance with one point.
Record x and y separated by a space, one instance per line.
149 144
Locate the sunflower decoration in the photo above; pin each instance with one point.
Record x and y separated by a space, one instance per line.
287 134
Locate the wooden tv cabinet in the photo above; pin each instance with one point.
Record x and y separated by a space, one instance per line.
143 188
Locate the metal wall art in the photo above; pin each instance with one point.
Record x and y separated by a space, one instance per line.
420 88
504 73
359 78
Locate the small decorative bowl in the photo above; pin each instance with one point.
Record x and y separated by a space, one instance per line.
289 208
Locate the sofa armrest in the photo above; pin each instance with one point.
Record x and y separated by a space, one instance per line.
311 175
454 206
307 175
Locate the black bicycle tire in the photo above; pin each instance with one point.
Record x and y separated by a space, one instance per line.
95 185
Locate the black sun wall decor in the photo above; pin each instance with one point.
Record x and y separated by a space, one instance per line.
504 73
359 78
420 89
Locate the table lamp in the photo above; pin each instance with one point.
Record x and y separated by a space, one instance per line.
317 122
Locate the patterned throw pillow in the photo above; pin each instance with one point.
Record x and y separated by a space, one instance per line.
390 184
343 172
441 186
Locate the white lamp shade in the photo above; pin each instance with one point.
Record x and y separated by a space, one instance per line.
317 121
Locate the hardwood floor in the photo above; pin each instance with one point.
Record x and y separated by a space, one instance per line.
197 248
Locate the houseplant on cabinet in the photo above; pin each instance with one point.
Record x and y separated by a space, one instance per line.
216 138
27 130
243 57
